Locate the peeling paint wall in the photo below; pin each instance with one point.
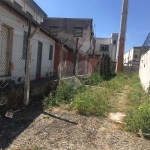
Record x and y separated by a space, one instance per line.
66 30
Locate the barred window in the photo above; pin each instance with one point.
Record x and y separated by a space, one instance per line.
78 32
53 30
51 53
25 44
104 48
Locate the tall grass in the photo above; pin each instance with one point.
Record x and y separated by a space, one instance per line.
94 100
138 112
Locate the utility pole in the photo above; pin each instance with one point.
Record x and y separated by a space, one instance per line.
119 65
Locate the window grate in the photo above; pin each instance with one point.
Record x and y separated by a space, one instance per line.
78 32
53 30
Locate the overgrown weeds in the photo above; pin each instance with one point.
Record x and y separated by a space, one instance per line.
138 112
85 100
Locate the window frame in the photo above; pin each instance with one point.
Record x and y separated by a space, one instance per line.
52 32
25 45
104 46
76 34
51 52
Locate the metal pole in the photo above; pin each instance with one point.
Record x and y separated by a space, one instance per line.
93 57
86 62
28 66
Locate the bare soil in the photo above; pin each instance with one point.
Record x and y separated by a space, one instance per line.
33 128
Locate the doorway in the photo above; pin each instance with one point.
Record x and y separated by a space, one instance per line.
39 60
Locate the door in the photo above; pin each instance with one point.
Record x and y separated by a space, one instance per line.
4 58
39 60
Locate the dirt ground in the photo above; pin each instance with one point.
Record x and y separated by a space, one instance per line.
32 128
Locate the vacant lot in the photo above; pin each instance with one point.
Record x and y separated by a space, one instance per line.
35 128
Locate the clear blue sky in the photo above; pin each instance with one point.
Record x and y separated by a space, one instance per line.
106 15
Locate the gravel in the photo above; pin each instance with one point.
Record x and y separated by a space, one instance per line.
65 130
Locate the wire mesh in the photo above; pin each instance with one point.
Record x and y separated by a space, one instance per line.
146 45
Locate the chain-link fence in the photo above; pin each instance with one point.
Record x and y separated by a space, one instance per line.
13 53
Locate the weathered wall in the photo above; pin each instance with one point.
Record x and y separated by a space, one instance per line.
144 70
66 29
18 63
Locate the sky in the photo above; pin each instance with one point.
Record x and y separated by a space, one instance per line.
106 15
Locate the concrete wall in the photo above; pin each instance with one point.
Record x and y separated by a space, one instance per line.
66 29
18 26
110 42
144 70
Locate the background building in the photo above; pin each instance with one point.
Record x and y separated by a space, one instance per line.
71 29
132 57
107 46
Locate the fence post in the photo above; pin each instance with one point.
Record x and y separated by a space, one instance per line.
60 61
77 60
86 61
93 56
28 66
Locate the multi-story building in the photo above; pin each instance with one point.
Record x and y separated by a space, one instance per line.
71 29
107 46
132 57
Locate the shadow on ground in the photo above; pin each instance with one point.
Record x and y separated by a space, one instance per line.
11 128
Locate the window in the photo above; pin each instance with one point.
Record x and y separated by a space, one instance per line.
104 48
17 5
53 30
25 44
135 56
51 53
30 15
78 32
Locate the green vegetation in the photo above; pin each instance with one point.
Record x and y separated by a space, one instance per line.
87 100
138 112
100 97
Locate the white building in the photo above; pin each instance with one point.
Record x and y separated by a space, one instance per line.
144 69
107 46
15 26
132 57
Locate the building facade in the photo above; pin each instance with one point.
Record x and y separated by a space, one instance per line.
132 57
15 26
71 29
107 46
